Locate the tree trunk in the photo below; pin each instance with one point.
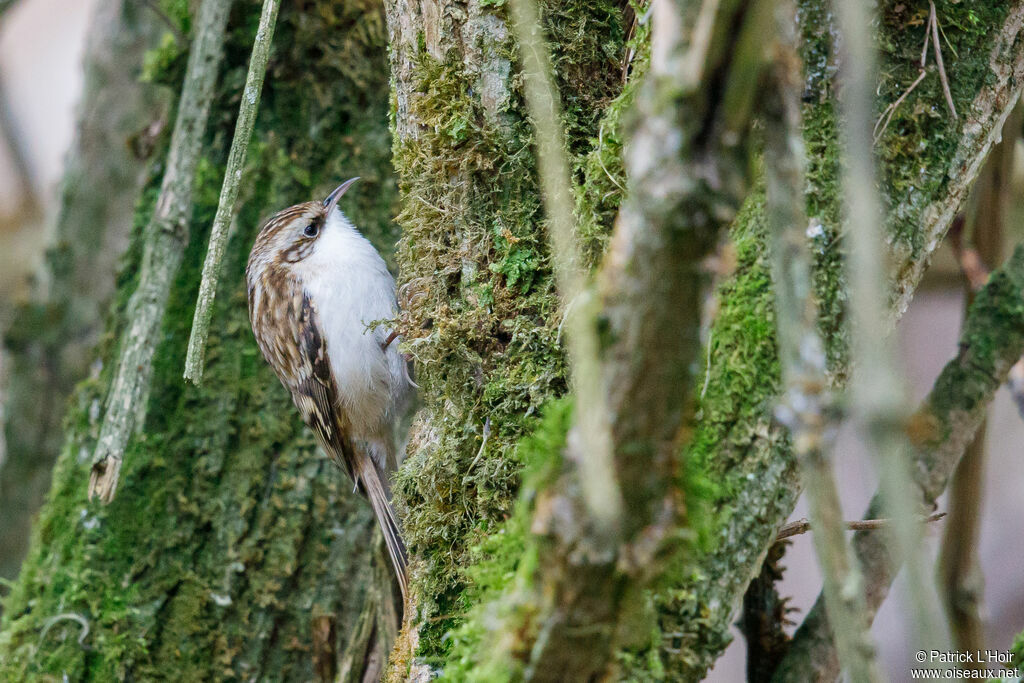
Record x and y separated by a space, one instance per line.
48 346
233 548
483 319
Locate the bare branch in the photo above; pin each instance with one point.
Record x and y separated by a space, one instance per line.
593 432
991 342
959 570
802 526
166 237
247 109
689 171
878 400
934 21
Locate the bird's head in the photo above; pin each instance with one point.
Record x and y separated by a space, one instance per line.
290 236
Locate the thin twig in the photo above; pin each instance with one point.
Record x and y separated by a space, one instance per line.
802 526
891 109
600 489
166 237
931 36
938 60
247 109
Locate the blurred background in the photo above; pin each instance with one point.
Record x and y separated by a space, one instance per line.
40 83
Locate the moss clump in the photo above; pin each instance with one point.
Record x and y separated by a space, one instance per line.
922 127
503 562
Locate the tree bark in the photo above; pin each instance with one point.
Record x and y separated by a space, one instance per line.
233 548
483 318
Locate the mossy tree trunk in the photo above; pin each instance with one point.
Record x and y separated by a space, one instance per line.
49 341
233 549
482 318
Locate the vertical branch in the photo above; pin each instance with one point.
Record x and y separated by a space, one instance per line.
247 109
878 404
166 237
593 433
805 407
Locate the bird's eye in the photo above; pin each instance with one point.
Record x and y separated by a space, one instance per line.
311 230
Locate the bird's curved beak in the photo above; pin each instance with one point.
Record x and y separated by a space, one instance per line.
332 198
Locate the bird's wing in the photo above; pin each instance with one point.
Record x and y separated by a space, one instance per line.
314 392
288 332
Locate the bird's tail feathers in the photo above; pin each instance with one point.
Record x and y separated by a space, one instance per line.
378 493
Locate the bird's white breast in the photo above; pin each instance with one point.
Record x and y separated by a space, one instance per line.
350 286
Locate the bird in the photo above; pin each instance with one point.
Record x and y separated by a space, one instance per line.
318 291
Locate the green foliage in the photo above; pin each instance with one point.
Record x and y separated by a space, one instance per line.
164 64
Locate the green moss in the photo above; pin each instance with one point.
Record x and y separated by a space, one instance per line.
503 562
164 64
922 127
485 326
600 171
